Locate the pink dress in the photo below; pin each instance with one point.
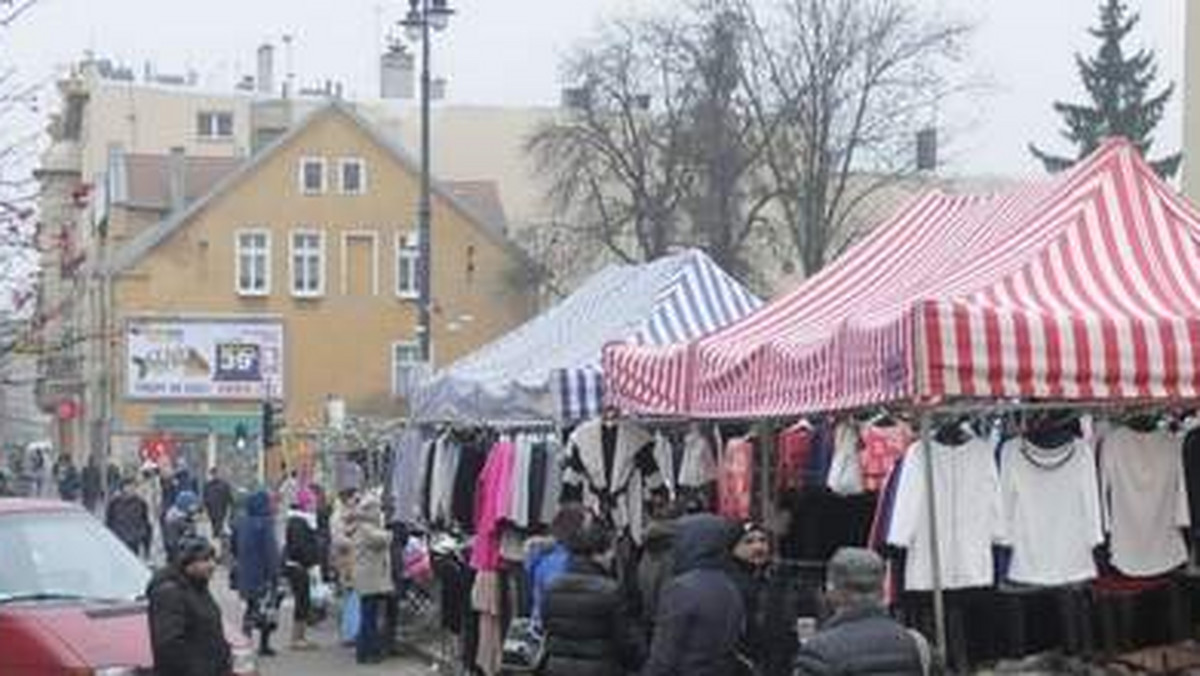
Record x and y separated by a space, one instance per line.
795 445
882 446
735 480
492 496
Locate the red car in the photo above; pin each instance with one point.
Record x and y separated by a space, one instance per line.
72 597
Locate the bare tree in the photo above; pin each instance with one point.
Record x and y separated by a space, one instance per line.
841 87
615 159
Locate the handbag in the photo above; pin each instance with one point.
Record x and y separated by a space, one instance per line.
524 647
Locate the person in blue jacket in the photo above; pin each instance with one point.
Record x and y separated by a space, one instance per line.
546 559
256 553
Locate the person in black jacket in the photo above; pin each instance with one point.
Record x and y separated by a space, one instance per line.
301 555
769 640
218 501
700 611
128 517
589 630
860 637
187 637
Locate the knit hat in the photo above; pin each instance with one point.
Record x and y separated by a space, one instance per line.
193 548
749 527
306 500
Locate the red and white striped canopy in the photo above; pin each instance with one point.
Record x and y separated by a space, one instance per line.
1082 287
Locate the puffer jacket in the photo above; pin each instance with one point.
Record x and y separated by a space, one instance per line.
700 612
588 631
187 637
372 556
129 518
863 641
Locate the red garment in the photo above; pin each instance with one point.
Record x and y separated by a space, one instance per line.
794 446
882 446
493 492
735 480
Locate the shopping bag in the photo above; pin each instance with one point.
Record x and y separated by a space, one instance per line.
351 617
319 591
524 647
417 564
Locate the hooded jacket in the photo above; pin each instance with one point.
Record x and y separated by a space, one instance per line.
187 637
129 518
255 547
700 612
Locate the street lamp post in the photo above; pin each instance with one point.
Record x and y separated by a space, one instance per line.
424 15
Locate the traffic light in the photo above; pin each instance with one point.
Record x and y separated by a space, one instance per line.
272 423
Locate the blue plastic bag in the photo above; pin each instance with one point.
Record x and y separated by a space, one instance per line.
351 617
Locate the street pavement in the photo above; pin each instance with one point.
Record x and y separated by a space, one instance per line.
330 657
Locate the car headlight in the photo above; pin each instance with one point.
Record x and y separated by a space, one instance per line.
245 661
115 671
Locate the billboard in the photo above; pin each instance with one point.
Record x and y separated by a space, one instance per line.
203 359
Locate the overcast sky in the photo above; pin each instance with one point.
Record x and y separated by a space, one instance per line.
507 52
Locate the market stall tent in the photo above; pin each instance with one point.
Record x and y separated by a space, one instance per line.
1082 287
549 368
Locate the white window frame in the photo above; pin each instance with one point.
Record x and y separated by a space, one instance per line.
345 258
407 246
303 184
213 131
237 266
414 365
292 251
362 175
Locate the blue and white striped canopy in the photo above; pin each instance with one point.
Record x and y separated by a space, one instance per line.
549 368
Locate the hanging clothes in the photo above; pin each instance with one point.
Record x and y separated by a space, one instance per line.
735 480
473 454
882 446
698 467
491 506
794 446
518 505
845 471
441 482
1051 511
970 517
407 463
611 468
1145 500
486 600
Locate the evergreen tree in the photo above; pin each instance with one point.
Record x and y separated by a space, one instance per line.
1119 87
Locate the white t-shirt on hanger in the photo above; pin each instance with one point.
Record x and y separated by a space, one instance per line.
970 516
1051 511
1145 500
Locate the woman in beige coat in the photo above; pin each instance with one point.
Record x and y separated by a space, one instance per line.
372 576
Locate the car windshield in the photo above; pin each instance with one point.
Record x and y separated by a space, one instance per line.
56 555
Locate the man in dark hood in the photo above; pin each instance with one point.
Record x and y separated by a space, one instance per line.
257 566
186 633
700 612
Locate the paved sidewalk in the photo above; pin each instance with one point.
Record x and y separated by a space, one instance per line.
329 658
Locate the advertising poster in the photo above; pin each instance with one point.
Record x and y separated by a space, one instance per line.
223 360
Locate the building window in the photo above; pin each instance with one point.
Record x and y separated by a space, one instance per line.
408 253
253 262
352 173
214 124
407 367
312 175
308 263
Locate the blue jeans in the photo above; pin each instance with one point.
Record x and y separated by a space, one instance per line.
369 646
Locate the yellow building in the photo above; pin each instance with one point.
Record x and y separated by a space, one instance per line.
294 277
